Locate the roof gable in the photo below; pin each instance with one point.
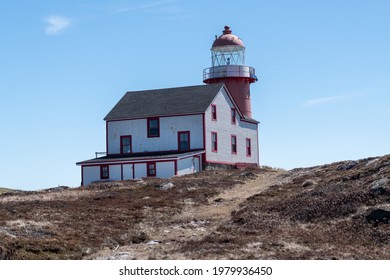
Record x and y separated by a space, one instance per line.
242 116
161 102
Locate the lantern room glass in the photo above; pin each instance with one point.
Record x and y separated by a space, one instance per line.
228 55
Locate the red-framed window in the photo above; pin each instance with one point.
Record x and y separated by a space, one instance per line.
104 172
233 140
233 115
214 142
183 139
151 169
248 147
126 144
214 112
153 127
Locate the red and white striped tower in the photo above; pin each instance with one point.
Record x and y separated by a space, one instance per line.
228 66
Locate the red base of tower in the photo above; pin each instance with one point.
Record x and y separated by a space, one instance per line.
240 91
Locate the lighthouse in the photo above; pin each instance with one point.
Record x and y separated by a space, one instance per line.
176 131
228 66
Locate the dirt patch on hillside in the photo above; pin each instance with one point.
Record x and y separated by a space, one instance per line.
194 221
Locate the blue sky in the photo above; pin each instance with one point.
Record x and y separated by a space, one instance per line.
323 93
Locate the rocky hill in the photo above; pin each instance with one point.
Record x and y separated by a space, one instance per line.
334 211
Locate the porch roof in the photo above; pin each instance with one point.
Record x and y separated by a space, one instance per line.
136 157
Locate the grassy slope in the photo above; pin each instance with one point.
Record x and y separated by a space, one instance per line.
3 190
74 223
310 213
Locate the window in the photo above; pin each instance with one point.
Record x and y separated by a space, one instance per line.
151 169
234 144
214 142
183 140
126 144
153 127
233 116
248 147
104 172
214 112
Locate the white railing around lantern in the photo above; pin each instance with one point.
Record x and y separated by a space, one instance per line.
229 71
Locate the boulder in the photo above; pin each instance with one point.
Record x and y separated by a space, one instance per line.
381 186
154 242
58 189
119 256
247 174
166 186
309 183
378 216
348 165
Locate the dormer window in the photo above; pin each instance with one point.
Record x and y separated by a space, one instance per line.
153 127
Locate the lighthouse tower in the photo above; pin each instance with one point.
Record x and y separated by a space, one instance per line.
228 66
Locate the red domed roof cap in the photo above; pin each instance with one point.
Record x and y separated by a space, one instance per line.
227 39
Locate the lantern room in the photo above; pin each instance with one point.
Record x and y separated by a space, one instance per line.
228 49
228 66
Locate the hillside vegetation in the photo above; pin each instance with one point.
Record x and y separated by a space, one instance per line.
334 211
4 190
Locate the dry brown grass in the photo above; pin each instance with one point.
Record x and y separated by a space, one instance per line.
4 190
74 223
294 220
310 213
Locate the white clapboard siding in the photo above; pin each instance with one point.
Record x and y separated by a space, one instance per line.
165 169
168 140
90 174
224 128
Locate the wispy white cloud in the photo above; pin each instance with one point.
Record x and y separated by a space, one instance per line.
143 6
166 9
323 100
163 9
175 13
56 24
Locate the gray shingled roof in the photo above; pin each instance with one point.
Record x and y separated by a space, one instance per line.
161 102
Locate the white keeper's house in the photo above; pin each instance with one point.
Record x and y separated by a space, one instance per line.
176 131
